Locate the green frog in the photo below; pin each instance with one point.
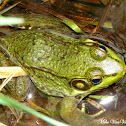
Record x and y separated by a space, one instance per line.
63 66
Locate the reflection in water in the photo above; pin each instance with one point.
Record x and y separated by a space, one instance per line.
107 100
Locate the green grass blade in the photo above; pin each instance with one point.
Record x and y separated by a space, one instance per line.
5 21
73 26
5 100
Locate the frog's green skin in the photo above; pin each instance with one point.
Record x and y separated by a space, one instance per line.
4 59
53 62
16 87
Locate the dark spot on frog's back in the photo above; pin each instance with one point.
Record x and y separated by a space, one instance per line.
62 57
40 58
43 88
33 43
84 62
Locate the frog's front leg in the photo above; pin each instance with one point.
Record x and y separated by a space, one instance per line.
72 115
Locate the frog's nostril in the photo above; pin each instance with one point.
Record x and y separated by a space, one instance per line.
114 74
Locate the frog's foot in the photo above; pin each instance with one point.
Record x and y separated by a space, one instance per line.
76 117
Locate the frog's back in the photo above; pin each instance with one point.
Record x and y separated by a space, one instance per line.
46 50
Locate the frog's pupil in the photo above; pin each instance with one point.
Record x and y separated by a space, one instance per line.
102 47
95 81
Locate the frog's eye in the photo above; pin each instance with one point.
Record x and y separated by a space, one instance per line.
96 80
99 53
95 75
79 84
102 48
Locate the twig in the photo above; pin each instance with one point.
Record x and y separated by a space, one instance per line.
100 24
4 4
5 10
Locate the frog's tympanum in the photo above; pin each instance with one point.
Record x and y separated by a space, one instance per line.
64 66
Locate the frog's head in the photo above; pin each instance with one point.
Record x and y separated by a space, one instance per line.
107 67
